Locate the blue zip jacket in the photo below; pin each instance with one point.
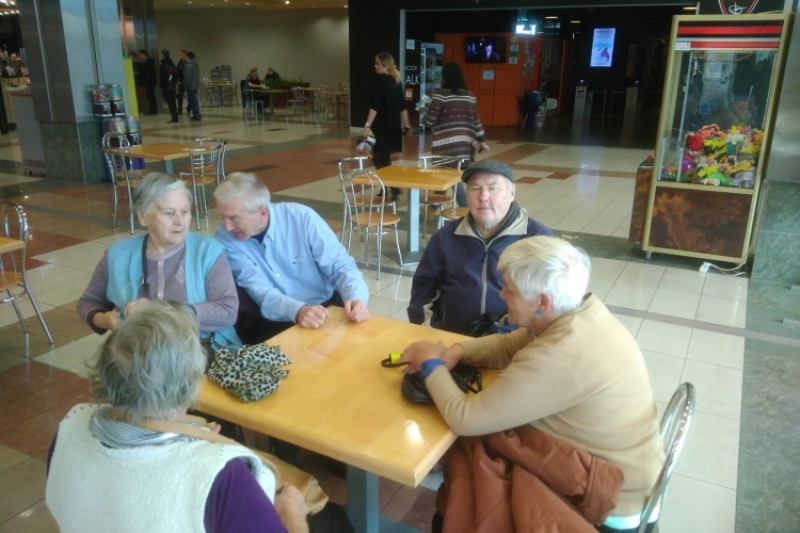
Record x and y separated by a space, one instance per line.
457 279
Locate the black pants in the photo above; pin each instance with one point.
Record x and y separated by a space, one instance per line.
169 97
382 160
181 91
253 328
438 523
150 92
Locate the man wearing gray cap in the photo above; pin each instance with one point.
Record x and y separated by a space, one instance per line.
457 283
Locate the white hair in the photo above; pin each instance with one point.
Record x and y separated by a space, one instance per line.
155 185
547 265
246 186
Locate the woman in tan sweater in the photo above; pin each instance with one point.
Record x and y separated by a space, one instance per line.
571 370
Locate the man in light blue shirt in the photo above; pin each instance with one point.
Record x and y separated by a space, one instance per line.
286 258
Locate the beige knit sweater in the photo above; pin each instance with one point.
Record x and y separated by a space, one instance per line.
583 380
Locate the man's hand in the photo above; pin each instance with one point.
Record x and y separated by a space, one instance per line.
419 352
356 310
312 316
131 307
292 509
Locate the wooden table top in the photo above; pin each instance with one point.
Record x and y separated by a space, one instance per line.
438 179
339 401
161 151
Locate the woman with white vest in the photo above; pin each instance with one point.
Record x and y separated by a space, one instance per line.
141 463
166 263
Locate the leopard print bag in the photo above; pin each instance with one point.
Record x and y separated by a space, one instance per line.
251 373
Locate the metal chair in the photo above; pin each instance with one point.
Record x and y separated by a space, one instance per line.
373 218
674 428
298 97
324 101
253 102
344 100
115 150
204 170
438 200
14 279
361 202
204 141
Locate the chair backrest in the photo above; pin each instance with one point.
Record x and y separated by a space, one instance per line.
358 162
433 161
674 428
115 145
365 184
202 156
298 93
205 141
12 214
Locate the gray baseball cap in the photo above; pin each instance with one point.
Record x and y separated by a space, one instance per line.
488 166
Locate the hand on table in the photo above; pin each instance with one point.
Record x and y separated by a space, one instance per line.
312 316
356 310
131 307
419 352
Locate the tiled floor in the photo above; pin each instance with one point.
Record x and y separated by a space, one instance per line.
689 325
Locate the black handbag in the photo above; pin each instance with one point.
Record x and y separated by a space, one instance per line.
414 390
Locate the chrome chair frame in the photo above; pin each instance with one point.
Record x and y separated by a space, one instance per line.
426 198
366 184
673 429
202 157
22 273
118 161
298 95
253 101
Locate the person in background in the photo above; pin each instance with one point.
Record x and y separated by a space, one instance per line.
149 78
571 370
457 283
286 259
191 77
138 80
254 82
385 112
272 77
140 463
169 81
181 86
457 128
166 263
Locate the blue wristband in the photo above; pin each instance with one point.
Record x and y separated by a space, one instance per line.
427 367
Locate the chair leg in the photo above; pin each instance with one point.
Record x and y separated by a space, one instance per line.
379 244
130 204
397 241
205 202
36 309
116 201
424 222
17 310
196 205
344 222
349 238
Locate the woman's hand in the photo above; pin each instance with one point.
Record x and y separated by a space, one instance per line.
131 307
107 321
292 509
419 352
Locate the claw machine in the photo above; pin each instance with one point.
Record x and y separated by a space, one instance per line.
723 81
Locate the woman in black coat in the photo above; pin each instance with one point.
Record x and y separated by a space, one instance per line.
385 111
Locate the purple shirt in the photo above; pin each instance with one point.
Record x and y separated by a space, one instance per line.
236 502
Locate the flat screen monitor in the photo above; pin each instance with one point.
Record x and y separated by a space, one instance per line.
602 47
486 50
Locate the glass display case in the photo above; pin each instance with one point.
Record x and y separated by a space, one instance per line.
723 77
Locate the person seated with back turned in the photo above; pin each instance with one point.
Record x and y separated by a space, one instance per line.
457 281
140 463
571 371
286 258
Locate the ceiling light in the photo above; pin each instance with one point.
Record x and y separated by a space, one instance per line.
574 21
553 17
690 8
345 6
286 2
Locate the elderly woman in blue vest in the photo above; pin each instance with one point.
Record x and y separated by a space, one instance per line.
166 263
